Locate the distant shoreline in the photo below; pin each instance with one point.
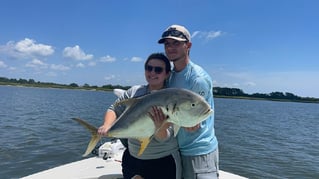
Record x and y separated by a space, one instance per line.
266 99
57 86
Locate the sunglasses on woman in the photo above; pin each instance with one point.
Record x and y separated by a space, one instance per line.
157 70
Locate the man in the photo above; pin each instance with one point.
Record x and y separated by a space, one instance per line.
198 145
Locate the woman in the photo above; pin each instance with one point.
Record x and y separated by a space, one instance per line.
161 157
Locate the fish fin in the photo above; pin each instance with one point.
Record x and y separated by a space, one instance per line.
144 144
95 137
94 140
88 126
176 129
127 102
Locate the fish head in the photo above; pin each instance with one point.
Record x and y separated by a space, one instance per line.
188 109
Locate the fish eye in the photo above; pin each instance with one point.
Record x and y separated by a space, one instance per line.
193 104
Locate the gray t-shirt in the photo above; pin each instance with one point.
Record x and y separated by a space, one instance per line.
156 148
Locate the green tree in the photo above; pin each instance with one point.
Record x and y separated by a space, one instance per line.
74 85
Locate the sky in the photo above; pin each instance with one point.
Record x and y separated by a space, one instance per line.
259 46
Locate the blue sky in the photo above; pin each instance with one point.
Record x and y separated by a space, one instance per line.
259 46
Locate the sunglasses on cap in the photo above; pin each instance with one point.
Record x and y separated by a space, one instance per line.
157 70
174 33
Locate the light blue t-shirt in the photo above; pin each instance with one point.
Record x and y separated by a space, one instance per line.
203 140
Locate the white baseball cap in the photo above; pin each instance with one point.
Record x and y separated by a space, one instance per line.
176 32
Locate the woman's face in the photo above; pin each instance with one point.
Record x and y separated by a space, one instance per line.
155 73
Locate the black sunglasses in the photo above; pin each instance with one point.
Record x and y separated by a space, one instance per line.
158 70
174 33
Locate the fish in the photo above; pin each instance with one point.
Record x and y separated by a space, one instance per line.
182 108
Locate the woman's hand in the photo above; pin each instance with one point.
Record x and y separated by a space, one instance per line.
102 131
109 119
157 116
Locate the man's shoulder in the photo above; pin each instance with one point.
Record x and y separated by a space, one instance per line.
200 80
199 74
197 69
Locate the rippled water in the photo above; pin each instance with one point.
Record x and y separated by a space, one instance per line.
258 139
264 139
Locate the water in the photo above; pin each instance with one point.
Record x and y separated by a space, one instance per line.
265 139
258 139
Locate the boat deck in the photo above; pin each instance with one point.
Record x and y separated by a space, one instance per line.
95 168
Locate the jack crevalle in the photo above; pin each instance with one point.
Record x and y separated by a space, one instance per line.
182 107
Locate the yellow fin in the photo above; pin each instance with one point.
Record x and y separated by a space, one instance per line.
94 140
144 144
95 137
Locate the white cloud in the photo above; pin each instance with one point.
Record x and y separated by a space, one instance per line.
110 77
107 58
207 35
27 48
80 65
59 67
51 74
136 59
213 34
12 68
235 85
76 53
250 83
3 65
92 64
36 63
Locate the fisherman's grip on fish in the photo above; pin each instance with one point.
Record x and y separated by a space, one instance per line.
156 114
181 107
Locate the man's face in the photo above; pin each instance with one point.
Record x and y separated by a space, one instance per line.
175 49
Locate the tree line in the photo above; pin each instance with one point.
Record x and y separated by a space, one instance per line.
217 91
235 92
33 83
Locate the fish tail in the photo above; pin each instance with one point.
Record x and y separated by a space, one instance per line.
95 138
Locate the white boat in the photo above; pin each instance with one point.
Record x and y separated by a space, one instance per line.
97 167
